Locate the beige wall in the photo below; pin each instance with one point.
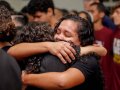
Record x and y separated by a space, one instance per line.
67 4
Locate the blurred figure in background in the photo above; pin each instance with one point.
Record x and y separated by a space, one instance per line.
106 20
104 37
86 3
42 11
25 12
19 20
58 13
86 15
10 75
65 12
7 28
116 50
74 12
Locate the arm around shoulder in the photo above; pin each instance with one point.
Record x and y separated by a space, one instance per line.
24 50
55 80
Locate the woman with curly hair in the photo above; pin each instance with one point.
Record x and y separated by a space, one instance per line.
7 28
34 32
10 74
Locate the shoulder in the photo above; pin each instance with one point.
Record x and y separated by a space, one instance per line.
88 65
50 57
9 69
90 60
51 63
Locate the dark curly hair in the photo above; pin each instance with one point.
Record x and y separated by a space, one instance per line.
40 5
35 32
84 30
7 28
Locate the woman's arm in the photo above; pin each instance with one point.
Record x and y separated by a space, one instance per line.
55 80
61 49
100 50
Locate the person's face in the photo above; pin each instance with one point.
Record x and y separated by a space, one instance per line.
95 13
82 15
41 17
67 31
87 3
116 17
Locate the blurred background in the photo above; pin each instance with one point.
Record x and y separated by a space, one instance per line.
66 4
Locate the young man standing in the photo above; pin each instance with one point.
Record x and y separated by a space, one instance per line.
42 11
104 37
106 20
115 83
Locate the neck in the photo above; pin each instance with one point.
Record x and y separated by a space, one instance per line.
2 44
98 25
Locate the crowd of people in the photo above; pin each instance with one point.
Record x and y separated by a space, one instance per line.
46 47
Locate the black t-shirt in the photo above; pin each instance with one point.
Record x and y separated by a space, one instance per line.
10 74
88 65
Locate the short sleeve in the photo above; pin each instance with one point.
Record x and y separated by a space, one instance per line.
87 65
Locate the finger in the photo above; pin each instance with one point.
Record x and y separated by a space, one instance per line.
71 49
70 54
65 55
61 58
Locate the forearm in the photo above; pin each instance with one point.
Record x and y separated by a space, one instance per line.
45 81
23 50
55 80
100 50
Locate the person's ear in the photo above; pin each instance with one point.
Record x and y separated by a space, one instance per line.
50 11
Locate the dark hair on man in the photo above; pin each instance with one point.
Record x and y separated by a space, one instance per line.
65 12
35 32
7 28
85 30
40 5
101 1
100 7
116 7
24 9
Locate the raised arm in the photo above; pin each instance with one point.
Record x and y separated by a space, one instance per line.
55 80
